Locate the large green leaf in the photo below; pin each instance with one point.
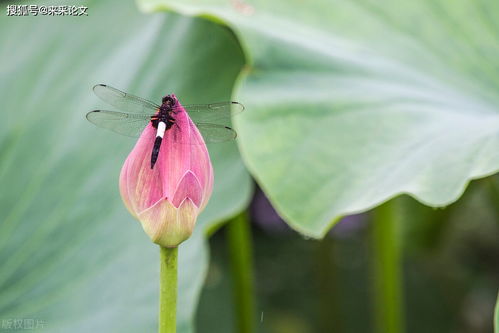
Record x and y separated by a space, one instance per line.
351 103
72 258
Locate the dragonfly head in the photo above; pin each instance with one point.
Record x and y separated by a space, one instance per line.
169 101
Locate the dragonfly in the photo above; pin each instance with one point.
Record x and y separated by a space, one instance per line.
212 120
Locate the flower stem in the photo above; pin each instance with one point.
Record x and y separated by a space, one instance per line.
387 271
168 290
241 262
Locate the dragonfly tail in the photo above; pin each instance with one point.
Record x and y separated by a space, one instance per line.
155 150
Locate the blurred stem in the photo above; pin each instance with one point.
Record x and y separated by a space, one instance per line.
241 261
330 319
387 271
168 290
496 315
493 188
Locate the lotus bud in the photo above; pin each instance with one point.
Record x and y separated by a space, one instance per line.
168 198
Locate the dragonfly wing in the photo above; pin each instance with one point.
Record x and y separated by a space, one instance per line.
213 133
119 122
124 101
215 113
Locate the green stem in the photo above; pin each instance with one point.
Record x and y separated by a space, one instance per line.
329 311
168 290
241 261
496 315
493 188
387 271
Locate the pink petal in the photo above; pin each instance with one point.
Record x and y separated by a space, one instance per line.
188 187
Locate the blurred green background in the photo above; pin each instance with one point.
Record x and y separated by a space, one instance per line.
348 105
450 271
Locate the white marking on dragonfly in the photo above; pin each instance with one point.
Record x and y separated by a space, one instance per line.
161 129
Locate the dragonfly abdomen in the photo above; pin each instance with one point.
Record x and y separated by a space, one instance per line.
155 151
162 127
157 142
